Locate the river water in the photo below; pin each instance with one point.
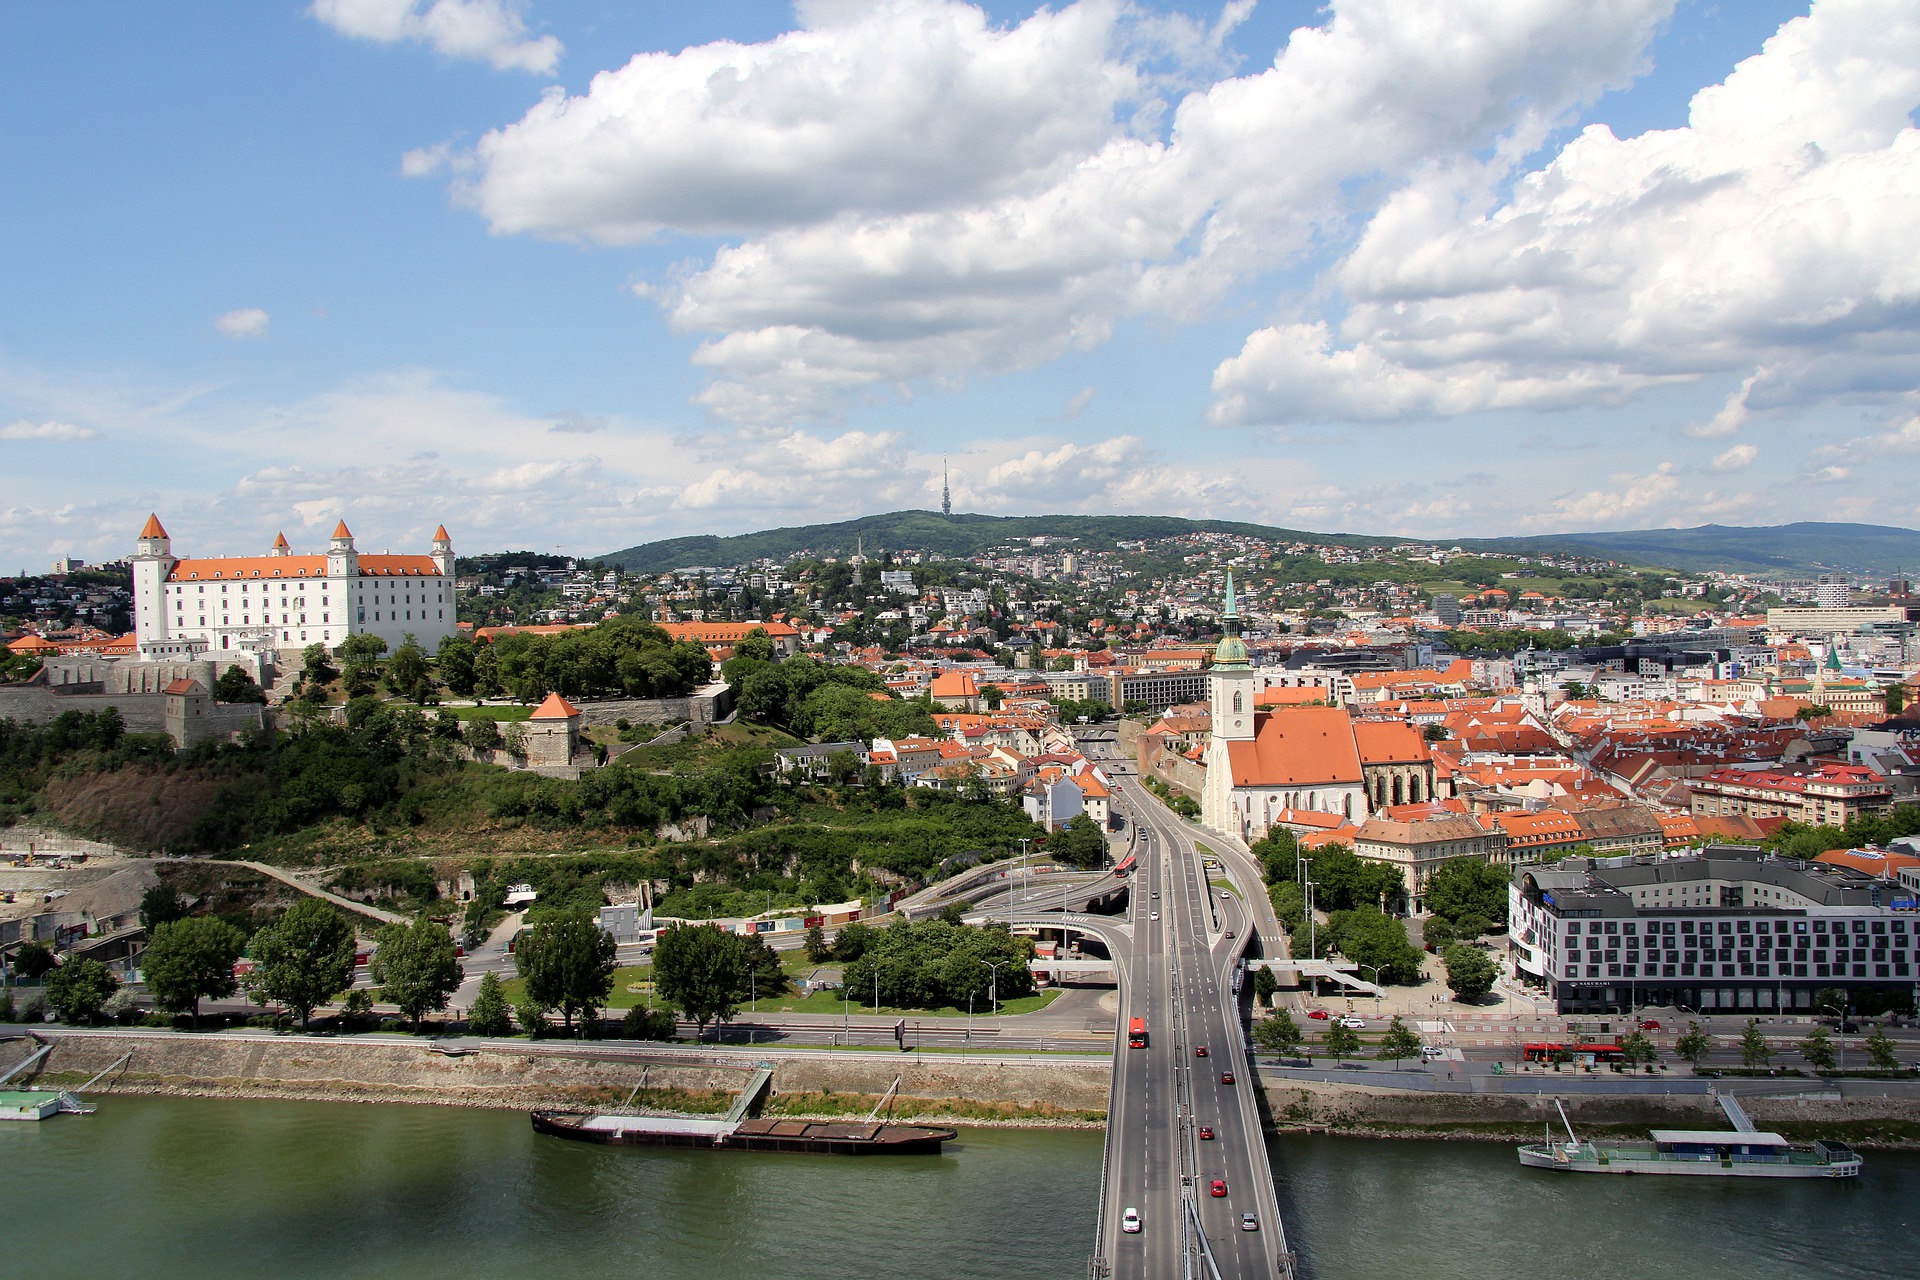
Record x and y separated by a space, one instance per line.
169 1188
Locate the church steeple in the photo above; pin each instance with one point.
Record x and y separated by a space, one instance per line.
1231 651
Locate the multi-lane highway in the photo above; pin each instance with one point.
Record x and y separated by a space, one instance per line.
1178 975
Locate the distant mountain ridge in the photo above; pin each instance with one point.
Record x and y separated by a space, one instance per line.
1804 548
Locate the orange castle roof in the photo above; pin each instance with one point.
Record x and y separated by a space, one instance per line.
440 534
341 531
152 528
554 708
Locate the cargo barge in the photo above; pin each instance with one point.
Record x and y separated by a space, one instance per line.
819 1137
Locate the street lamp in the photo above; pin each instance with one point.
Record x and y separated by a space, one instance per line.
1375 970
1313 935
993 983
1840 1031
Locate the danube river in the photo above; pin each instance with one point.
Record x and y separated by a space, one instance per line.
176 1188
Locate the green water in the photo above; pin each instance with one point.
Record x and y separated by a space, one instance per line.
169 1188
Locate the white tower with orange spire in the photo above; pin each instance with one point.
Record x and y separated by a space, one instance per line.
443 551
153 560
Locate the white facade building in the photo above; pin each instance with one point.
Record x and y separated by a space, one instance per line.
193 607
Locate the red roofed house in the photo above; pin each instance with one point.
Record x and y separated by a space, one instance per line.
956 691
725 635
1826 795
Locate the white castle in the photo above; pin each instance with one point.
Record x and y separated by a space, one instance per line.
187 609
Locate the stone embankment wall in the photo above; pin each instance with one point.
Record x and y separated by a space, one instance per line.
1352 1109
33 704
554 1074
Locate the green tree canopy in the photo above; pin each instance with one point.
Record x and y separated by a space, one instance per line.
1693 1044
416 967
303 959
1470 971
160 904
235 685
1080 843
1277 1032
1818 1050
1754 1051
192 960
1881 1051
700 970
79 988
407 671
454 664
1399 1042
568 961
488 1017
1464 887
1340 1041
1369 937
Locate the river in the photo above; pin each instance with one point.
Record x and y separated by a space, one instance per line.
169 1188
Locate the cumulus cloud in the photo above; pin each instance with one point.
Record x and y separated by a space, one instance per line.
1738 458
248 322
491 31
1078 405
62 432
918 196
1772 232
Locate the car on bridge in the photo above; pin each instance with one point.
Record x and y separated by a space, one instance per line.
1218 1189
1226 1077
1199 1051
1206 1133
1249 1223
1130 1222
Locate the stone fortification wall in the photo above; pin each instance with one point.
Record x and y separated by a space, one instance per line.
32 704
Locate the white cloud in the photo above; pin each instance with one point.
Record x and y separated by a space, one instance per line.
1738 458
1078 405
248 322
488 30
63 432
929 198
1773 232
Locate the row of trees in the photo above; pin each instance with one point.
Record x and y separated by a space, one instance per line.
1279 1033
831 703
937 963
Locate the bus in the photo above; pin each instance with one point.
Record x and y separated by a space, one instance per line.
1583 1054
1126 866
1137 1033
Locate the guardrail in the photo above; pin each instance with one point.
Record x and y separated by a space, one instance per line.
1097 1265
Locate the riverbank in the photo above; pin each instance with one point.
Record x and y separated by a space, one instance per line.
1881 1122
692 1080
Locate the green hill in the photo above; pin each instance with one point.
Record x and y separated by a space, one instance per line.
1804 548
963 535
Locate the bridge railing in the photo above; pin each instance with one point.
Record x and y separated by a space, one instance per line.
1097 1266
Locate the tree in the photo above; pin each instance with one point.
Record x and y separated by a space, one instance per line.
192 960
303 959
1438 934
1341 1041
1753 1046
1435 733
488 1017
314 668
79 988
1813 711
1693 1044
407 670
818 949
483 734
701 970
1081 843
1462 887
1470 971
1818 1050
1895 698
454 662
1637 1049
235 685
956 912
1373 939
765 975
1277 1032
158 905
532 1017
1264 985
852 941
1880 1051
1399 1042
416 967
33 960
568 961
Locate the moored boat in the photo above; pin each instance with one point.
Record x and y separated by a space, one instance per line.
1701 1153
820 1137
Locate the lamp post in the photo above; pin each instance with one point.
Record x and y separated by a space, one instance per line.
846 1015
993 983
1840 1032
1375 970
1313 935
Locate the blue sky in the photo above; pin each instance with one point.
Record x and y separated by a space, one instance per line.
583 275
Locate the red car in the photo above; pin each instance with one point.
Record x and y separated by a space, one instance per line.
1218 1189
1649 1024
1319 1014
1226 1077
1199 1051
1206 1133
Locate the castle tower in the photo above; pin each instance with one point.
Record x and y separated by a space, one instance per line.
342 560
1231 683
443 551
280 547
153 561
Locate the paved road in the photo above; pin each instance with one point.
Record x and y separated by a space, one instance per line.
1178 976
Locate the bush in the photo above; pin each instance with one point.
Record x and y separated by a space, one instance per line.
270 1021
123 1007
33 1009
6 1006
160 1019
531 1017
489 1015
642 1023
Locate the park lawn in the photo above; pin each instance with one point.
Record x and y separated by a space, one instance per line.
829 1002
515 989
503 714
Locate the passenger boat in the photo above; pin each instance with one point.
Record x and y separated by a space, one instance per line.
820 1137
1700 1153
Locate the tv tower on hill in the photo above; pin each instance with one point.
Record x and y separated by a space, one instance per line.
946 494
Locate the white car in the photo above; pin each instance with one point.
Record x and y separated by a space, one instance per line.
1225 896
1352 1023
1431 1053
1153 915
1130 1222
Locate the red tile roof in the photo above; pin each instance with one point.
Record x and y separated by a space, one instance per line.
554 708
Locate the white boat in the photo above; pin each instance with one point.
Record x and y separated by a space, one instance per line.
1699 1153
